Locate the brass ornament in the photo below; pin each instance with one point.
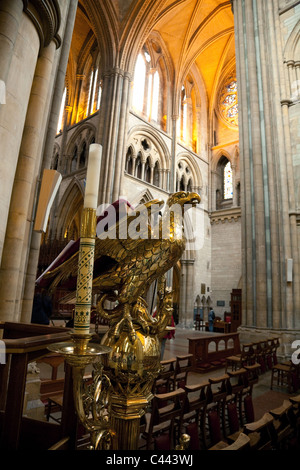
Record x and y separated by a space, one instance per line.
131 354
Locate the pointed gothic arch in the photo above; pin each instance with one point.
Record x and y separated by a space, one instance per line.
68 214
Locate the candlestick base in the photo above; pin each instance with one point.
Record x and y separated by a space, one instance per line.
91 398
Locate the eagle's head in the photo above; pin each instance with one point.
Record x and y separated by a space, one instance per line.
184 198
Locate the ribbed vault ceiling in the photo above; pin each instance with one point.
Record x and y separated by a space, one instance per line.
196 32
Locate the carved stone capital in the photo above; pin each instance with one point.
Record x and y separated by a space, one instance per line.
46 16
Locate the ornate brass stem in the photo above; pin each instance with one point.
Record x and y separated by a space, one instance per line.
85 271
91 398
134 362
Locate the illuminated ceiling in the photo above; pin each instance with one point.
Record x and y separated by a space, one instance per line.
196 32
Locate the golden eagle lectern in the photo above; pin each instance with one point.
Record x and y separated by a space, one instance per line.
130 254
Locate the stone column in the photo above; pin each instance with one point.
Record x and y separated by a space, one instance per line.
18 39
11 12
59 83
186 310
267 193
23 190
172 182
112 130
33 257
152 173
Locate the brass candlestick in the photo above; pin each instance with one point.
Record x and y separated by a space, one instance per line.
91 398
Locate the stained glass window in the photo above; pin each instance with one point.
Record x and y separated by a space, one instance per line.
228 101
228 181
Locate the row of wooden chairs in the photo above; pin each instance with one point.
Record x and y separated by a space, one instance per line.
209 414
262 352
205 411
278 429
174 373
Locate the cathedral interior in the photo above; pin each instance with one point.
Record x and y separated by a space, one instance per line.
199 96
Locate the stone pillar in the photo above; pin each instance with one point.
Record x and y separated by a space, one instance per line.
23 194
59 83
17 33
112 131
172 182
29 284
152 174
267 192
11 12
17 225
186 308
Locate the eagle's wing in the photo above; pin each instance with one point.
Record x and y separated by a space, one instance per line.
121 241
128 234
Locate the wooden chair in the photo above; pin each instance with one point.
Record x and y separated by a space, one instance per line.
240 360
253 371
236 388
283 375
182 368
241 443
165 380
54 405
160 430
264 432
216 400
193 416
295 418
282 424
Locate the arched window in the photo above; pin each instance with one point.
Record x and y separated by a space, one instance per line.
95 81
227 182
156 174
224 183
184 180
153 97
129 162
147 171
147 93
62 112
139 84
138 167
90 93
140 155
228 101
99 96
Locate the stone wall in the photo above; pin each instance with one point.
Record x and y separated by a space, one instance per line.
226 261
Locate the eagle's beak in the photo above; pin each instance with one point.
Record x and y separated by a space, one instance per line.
194 199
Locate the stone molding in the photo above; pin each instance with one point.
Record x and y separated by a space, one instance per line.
221 216
46 16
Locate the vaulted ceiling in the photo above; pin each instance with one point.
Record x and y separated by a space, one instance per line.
196 33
